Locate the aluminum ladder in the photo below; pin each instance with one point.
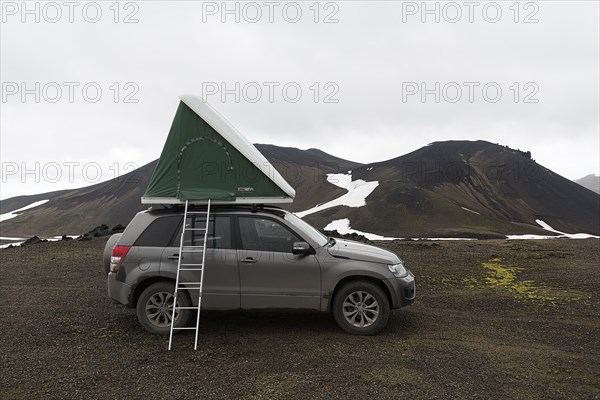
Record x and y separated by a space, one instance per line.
197 284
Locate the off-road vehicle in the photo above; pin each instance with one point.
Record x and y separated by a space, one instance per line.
256 258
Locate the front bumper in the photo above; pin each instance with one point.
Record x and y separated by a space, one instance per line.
118 290
404 290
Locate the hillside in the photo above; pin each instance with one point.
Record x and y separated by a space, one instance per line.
76 211
465 188
446 189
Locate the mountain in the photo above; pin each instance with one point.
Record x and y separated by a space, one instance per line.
75 211
591 181
446 189
431 190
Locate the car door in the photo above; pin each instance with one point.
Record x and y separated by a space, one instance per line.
221 280
270 275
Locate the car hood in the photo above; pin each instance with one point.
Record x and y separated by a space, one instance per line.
362 252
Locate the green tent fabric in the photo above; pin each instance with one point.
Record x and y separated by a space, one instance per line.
206 158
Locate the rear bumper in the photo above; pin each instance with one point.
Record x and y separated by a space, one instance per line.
118 290
404 290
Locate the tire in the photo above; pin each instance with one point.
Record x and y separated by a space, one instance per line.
108 248
361 308
157 316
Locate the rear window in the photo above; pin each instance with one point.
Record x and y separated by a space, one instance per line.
160 232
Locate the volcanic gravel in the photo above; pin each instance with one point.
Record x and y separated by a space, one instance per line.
525 326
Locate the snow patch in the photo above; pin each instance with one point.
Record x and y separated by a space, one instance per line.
11 238
3 246
343 227
547 227
529 237
55 238
474 212
356 197
444 239
13 214
561 235
370 168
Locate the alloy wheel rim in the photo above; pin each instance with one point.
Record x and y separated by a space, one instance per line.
159 309
360 309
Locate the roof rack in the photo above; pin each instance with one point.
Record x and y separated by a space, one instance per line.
229 206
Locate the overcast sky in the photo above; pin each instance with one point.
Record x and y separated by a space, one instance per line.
365 81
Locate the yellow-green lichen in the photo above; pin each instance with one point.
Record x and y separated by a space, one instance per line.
471 282
502 277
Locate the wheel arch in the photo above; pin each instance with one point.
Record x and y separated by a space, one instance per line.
140 287
354 278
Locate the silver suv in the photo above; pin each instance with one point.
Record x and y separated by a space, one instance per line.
257 258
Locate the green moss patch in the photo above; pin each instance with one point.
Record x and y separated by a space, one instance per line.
501 277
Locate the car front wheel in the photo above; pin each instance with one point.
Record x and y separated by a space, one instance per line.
155 308
361 308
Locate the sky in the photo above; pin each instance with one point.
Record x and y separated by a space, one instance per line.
89 89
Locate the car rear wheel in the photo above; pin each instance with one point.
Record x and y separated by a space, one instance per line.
361 308
155 308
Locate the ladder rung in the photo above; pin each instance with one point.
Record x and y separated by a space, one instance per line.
197 212
184 327
189 283
195 229
190 269
186 308
190 265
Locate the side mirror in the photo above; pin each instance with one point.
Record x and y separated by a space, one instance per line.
302 248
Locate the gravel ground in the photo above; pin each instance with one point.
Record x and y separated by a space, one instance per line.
493 319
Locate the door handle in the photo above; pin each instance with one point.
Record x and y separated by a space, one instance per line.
174 257
248 260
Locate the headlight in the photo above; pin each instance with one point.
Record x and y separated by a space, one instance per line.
398 270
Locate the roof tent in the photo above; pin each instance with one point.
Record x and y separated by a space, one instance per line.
207 158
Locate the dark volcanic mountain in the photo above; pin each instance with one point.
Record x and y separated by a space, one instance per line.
426 192
76 211
446 189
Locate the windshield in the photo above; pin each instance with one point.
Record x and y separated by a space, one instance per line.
303 227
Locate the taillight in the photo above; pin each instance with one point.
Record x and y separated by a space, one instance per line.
118 256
